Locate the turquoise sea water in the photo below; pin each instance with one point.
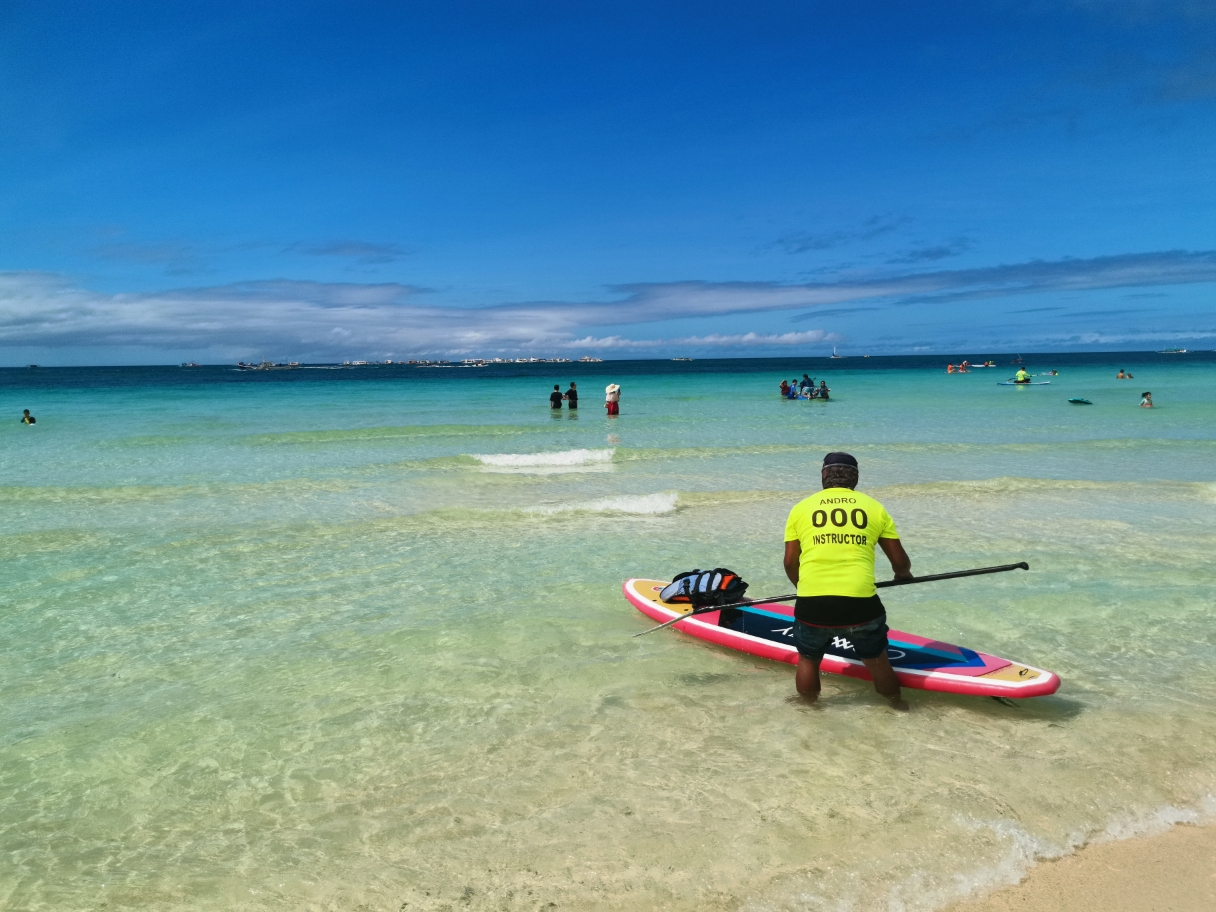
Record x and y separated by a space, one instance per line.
354 639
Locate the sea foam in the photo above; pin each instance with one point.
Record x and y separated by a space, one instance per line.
636 504
547 463
560 458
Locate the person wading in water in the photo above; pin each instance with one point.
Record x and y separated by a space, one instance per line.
829 555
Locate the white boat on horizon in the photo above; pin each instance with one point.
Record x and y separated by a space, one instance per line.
834 355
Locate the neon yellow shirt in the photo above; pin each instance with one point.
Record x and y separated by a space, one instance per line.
1022 375
838 529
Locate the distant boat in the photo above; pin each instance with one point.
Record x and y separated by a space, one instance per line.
263 366
33 367
681 359
191 364
834 355
587 359
1173 351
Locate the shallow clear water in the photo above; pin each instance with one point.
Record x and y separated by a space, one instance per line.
355 639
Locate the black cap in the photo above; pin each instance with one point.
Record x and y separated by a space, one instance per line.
839 459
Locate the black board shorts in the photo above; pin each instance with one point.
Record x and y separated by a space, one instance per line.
838 610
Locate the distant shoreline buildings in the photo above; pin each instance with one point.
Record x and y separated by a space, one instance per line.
467 362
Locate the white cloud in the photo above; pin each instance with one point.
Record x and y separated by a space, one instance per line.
322 321
750 339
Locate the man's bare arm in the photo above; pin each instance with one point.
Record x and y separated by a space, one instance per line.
793 554
894 550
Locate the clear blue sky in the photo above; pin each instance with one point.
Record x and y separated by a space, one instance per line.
333 180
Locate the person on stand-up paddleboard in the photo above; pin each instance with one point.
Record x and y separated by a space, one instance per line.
829 555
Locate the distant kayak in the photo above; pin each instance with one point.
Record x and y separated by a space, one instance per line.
1081 401
1027 383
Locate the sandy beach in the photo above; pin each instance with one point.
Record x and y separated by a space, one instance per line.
1174 871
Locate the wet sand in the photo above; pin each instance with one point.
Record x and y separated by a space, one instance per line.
1174 871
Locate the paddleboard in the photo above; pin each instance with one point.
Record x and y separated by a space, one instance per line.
1081 401
1030 383
767 631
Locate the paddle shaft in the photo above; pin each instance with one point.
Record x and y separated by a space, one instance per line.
1021 565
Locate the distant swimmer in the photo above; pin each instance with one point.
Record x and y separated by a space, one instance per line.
555 397
829 555
572 397
823 390
1021 376
1120 375
1146 400
612 399
949 368
27 418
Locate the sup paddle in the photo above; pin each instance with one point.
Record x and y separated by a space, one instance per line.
1022 565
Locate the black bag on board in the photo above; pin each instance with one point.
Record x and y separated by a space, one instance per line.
704 588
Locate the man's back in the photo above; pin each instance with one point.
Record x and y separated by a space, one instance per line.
838 529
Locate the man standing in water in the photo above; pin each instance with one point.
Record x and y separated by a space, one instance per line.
829 555
572 397
555 398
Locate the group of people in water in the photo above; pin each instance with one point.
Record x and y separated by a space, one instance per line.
612 398
805 389
965 367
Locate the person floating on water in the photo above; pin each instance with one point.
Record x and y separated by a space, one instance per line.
27 418
1146 400
829 555
612 399
555 398
572 397
1021 376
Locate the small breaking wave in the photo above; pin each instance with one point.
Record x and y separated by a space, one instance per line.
633 504
547 463
561 458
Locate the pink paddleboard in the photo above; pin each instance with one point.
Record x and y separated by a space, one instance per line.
767 631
